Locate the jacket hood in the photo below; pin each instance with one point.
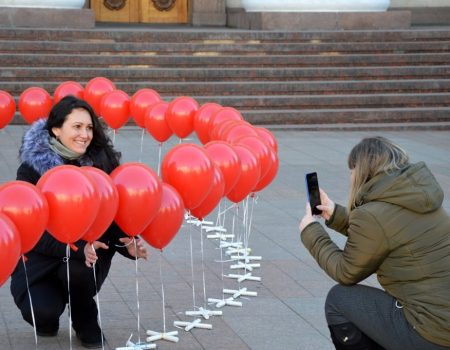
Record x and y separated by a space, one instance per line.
414 188
35 150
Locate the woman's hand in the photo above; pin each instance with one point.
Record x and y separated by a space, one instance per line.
307 218
327 205
141 250
90 254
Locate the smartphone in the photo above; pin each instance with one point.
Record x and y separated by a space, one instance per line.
312 188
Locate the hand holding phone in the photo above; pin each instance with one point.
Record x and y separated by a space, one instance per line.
312 188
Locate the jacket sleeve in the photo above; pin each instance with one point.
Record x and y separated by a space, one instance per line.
364 251
112 236
339 220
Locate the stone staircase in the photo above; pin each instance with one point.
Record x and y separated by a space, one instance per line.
313 80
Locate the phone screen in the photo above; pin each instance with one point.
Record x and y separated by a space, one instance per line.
312 188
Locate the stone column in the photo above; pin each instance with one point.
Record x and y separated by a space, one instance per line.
208 12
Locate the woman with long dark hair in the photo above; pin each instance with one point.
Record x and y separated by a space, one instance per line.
72 134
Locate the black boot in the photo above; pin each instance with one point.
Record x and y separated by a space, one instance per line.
347 337
90 335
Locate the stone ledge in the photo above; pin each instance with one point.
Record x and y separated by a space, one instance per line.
238 18
15 17
429 15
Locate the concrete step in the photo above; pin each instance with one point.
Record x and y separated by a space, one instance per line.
226 74
252 88
354 115
184 34
25 46
115 60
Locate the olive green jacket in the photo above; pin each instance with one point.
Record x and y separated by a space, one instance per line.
400 232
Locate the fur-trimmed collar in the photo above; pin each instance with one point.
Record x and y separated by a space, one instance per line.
35 150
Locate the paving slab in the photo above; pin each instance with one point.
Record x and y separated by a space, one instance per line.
288 311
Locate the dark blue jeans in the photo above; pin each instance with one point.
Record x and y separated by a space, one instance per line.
375 313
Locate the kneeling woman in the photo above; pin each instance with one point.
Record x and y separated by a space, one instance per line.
73 135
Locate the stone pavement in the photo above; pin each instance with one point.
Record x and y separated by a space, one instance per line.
287 313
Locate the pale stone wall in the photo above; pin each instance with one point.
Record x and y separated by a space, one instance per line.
419 3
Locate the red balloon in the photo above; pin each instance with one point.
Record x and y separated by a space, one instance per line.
68 88
115 108
217 132
155 121
213 198
180 115
139 196
72 200
224 156
237 131
250 174
34 103
226 113
7 108
202 120
27 208
94 91
272 173
9 246
109 203
167 221
268 138
141 100
261 151
188 168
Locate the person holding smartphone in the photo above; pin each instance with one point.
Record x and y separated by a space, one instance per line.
395 227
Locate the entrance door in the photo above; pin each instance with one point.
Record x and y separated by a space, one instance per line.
141 11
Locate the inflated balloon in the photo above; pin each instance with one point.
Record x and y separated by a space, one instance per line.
167 221
109 203
7 108
237 131
94 91
224 114
9 246
261 151
213 198
27 208
250 174
139 196
72 200
155 121
224 156
268 138
180 115
188 168
140 101
34 103
202 120
115 108
217 132
68 88
272 173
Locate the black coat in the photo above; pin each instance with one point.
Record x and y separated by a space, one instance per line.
48 254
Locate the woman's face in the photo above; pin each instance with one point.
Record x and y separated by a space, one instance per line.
76 132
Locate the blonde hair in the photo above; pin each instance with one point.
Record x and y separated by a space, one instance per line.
370 157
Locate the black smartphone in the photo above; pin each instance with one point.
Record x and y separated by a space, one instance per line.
312 188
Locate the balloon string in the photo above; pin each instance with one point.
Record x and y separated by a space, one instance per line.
236 217
220 222
29 297
159 158
162 291
203 266
192 263
142 145
114 137
98 300
137 292
67 259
